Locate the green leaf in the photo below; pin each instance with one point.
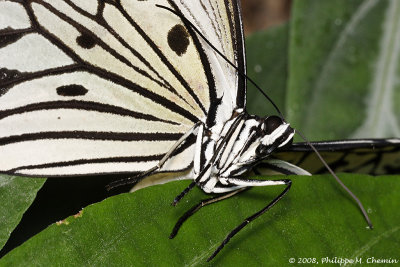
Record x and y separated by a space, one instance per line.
16 195
316 219
344 68
267 65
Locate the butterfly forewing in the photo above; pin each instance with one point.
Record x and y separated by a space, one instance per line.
99 87
220 23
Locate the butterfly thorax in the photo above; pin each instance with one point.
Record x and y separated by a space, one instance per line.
243 142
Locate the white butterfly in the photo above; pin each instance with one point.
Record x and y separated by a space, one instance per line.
93 87
104 87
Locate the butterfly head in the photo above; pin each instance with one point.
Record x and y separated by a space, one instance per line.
276 133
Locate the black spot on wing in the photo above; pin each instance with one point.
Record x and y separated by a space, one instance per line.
6 39
86 41
178 39
72 90
6 78
7 75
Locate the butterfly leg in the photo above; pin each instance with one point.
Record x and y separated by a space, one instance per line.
201 169
159 165
240 182
201 204
135 179
251 182
199 148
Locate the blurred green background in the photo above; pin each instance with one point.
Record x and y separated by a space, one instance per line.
333 68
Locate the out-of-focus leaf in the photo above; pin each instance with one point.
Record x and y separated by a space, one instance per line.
344 68
316 220
16 195
267 65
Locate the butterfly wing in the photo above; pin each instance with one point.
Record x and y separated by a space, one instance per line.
90 87
369 156
220 22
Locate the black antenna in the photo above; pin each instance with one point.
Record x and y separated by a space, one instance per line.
360 205
186 21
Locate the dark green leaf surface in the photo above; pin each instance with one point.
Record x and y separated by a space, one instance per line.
267 65
315 220
16 195
344 68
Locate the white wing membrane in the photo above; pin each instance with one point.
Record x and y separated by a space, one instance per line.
216 20
98 90
91 87
36 50
13 15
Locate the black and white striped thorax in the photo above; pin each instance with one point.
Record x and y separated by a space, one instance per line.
222 157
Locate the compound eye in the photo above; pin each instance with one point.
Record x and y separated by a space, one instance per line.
271 123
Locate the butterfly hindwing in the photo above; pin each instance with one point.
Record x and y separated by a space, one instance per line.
109 86
369 156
